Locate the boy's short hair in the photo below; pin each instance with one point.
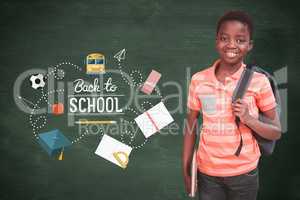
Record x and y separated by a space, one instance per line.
237 16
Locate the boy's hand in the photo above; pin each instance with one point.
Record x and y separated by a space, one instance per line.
240 109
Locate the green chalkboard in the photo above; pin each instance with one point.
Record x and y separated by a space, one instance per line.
175 38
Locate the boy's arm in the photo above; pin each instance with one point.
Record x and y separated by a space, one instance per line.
189 140
269 127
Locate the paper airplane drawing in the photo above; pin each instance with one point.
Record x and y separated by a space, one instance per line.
120 55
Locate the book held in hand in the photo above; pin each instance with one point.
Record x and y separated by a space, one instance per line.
194 175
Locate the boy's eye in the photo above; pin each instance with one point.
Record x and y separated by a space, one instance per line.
223 38
239 41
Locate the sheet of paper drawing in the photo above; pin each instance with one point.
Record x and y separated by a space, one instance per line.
114 151
154 119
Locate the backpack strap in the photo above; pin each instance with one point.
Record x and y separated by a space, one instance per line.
243 83
238 93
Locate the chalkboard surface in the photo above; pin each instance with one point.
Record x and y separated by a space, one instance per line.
175 38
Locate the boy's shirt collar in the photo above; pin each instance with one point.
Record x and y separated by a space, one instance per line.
235 76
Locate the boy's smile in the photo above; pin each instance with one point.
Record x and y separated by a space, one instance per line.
233 42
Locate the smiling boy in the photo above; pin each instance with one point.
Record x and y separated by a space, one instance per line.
222 174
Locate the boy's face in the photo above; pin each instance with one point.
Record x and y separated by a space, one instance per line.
233 42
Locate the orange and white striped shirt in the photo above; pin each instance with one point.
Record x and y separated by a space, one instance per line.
219 137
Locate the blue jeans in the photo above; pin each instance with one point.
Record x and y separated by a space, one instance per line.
241 187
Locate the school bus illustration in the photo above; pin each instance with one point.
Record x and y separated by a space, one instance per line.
95 63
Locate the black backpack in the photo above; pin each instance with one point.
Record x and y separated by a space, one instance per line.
266 146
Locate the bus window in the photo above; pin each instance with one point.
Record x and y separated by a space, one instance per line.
91 61
99 61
